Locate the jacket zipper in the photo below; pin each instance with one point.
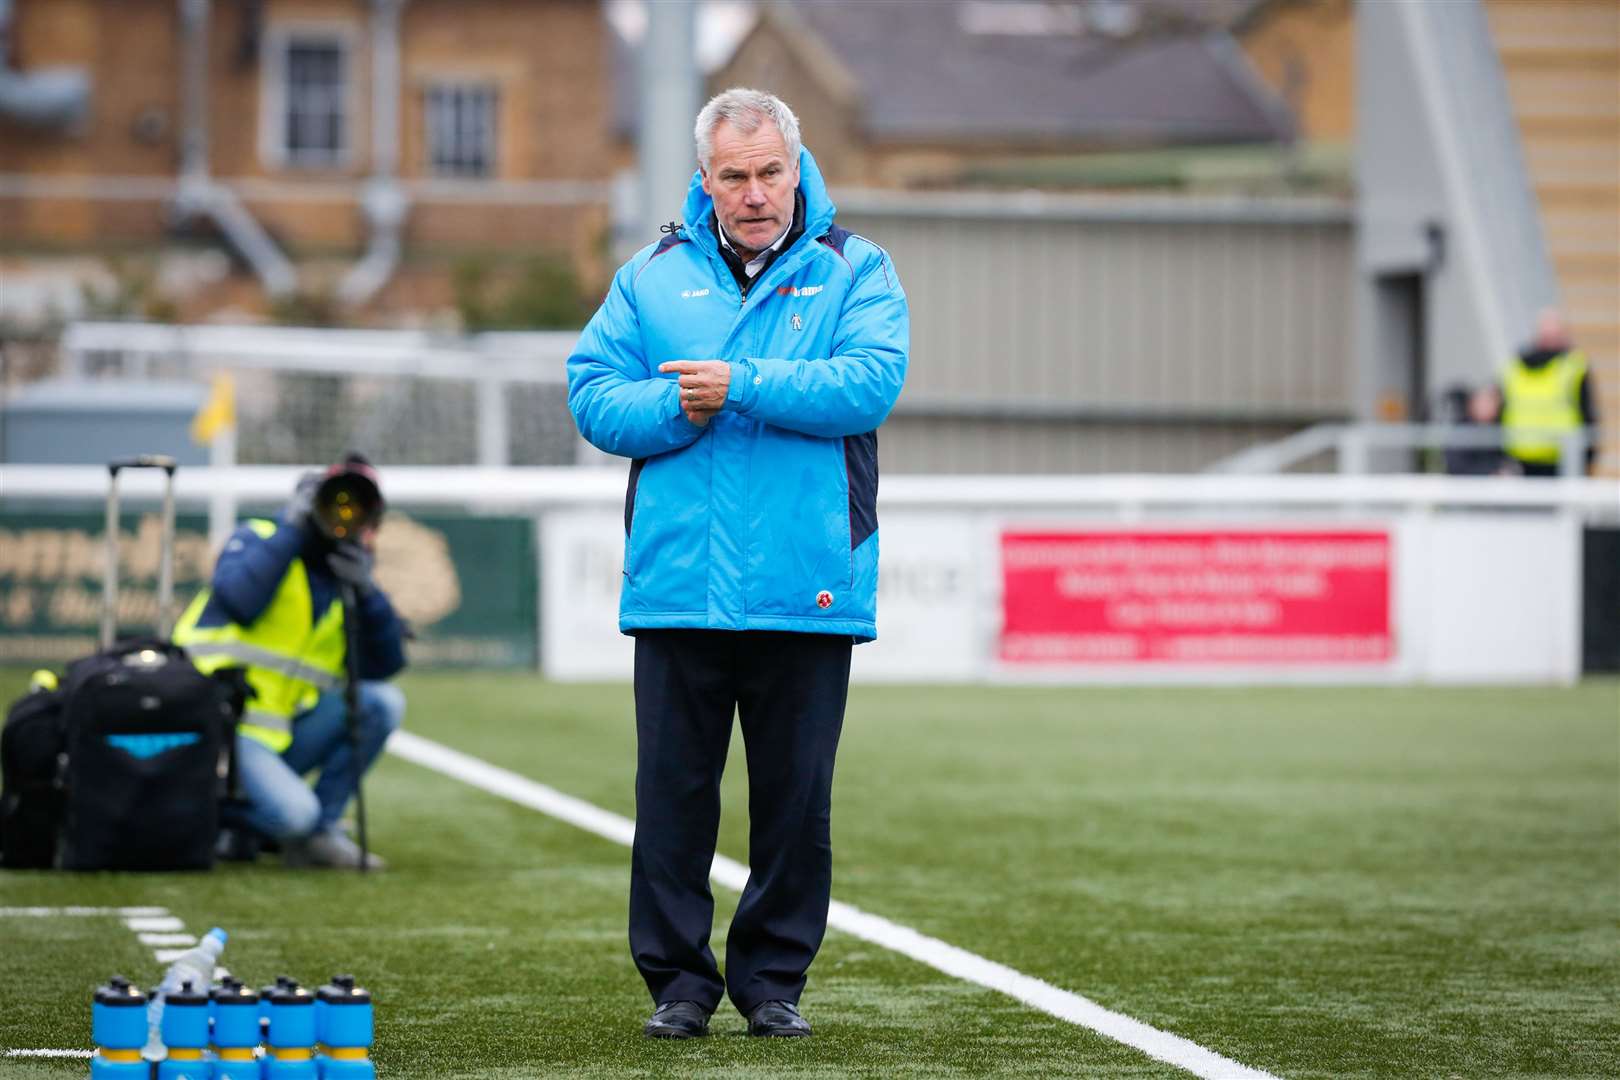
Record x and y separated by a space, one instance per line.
798 259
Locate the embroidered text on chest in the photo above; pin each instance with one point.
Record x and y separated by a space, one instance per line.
798 290
687 294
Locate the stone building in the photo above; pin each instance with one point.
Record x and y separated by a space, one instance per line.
366 147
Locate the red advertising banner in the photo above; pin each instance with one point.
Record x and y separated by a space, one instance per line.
1213 597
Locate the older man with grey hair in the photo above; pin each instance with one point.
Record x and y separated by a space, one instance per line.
743 365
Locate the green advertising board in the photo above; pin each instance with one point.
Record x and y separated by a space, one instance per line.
467 585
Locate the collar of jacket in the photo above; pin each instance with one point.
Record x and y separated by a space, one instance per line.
1537 358
818 206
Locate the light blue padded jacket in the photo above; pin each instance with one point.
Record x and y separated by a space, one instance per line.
765 518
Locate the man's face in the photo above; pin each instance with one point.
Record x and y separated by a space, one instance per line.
1485 405
751 182
1550 332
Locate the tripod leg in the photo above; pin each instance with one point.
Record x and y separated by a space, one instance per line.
351 701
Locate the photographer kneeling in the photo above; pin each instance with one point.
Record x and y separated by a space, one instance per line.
274 607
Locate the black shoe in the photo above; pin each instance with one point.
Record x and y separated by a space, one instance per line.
236 845
777 1020
677 1020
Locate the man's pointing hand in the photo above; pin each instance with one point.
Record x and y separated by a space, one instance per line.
704 385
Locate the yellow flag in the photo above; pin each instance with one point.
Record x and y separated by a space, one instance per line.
218 412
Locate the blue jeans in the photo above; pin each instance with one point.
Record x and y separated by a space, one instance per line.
278 803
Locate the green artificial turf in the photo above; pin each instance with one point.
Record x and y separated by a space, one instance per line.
1314 882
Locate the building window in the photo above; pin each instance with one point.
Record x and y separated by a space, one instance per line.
317 87
461 131
308 102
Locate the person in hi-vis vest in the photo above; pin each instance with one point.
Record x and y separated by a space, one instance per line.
1547 396
274 608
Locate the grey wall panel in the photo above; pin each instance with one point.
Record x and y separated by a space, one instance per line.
1177 314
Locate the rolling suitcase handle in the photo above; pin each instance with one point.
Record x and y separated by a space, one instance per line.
109 592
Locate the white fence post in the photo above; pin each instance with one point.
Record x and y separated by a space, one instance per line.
494 440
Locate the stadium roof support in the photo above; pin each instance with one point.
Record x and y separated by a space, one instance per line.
1451 264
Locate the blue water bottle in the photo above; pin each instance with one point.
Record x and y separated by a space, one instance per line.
118 1028
236 1031
291 1046
344 1027
185 1033
265 993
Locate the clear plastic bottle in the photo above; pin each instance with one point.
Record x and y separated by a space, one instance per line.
196 966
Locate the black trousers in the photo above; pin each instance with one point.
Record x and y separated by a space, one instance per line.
788 691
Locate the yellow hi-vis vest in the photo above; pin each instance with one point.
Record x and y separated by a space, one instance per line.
1540 405
290 656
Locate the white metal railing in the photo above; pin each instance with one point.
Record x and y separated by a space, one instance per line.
1353 446
540 488
536 356
491 362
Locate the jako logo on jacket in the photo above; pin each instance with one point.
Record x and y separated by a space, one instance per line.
766 517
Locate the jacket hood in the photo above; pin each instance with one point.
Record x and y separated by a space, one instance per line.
818 205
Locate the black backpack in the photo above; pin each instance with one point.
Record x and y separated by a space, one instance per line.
144 736
33 767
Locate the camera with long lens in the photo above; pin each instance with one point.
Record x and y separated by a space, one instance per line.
348 504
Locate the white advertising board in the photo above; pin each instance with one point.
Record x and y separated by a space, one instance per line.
581 566
932 609
1450 597
1497 599
930 625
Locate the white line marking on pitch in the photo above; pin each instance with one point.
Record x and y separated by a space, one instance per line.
153 926
1063 1004
57 912
51 1053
